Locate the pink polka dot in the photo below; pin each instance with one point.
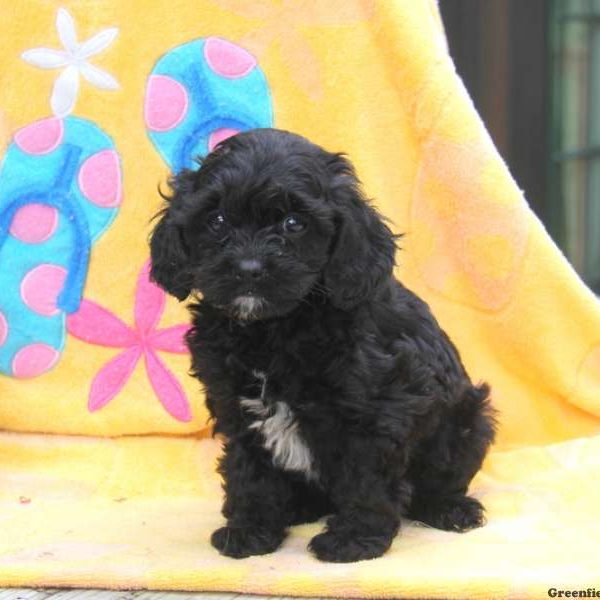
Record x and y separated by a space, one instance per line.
3 329
218 135
40 137
40 288
34 360
227 59
34 223
166 103
100 179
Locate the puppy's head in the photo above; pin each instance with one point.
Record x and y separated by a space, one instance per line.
267 220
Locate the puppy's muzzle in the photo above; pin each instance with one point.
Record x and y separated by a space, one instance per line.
250 270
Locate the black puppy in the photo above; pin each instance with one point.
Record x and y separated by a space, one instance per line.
334 387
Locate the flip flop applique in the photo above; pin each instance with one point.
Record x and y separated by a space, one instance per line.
60 188
201 93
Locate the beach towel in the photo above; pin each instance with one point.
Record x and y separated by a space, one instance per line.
107 464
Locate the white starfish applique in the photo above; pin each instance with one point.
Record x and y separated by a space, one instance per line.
73 61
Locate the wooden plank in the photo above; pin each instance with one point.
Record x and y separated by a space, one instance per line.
80 594
23 594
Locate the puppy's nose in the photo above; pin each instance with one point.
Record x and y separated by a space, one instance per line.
251 268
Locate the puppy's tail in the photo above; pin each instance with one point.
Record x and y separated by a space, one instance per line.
476 415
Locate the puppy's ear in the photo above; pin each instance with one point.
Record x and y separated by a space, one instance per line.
168 251
362 257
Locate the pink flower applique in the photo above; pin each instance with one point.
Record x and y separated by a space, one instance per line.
96 325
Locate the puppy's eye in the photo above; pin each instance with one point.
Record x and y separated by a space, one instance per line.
293 224
217 222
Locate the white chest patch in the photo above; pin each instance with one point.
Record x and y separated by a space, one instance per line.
281 434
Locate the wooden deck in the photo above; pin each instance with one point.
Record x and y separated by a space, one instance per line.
50 594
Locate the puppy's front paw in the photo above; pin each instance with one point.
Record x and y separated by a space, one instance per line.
343 546
241 542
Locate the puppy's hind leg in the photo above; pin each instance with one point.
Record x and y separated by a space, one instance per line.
442 471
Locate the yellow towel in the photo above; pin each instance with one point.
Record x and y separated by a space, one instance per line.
91 352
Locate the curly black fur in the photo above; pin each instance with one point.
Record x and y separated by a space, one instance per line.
306 324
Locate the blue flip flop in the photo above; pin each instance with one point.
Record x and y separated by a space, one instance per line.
201 93
60 188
